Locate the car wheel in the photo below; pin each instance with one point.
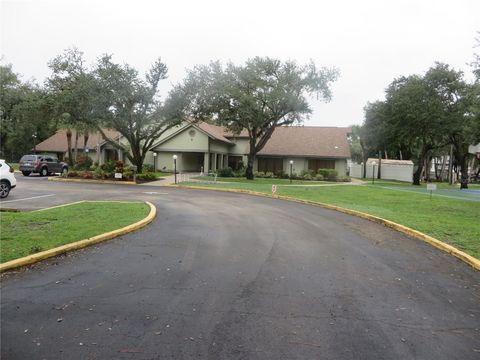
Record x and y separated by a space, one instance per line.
26 173
44 172
4 189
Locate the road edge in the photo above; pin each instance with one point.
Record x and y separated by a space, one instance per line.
92 181
31 259
466 258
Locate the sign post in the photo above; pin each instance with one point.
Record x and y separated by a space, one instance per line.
431 188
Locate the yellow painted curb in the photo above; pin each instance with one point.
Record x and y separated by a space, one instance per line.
92 181
470 260
31 259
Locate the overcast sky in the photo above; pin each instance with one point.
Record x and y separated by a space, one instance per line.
370 42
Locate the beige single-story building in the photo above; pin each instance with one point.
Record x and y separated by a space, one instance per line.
97 148
202 147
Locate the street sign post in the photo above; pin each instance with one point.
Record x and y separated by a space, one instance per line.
431 188
274 189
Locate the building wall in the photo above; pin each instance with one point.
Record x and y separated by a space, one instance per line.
219 147
241 146
301 163
189 139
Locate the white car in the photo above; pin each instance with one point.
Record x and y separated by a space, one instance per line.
7 179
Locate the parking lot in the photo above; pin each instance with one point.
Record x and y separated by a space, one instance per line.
35 192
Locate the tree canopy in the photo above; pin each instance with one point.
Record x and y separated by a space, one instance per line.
422 114
131 106
258 96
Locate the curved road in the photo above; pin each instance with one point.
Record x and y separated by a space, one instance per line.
229 276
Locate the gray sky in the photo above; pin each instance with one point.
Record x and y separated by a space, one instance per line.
371 42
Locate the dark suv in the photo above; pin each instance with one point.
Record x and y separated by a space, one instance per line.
42 164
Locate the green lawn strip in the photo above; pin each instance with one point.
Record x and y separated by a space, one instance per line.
25 233
16 166
269 181
450 220
160 174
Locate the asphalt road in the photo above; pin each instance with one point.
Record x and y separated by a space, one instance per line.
231 276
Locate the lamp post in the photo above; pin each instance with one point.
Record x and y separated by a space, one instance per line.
291 166
34 137
175 157
373 172
154 162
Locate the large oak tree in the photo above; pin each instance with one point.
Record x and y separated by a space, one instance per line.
259 96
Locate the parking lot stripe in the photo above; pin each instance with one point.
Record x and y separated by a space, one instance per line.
30 198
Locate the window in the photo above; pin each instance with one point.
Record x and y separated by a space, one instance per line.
315 164
274 165
234 162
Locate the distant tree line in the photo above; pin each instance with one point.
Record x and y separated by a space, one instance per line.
424 117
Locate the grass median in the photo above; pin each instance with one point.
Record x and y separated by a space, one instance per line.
26 233
454 221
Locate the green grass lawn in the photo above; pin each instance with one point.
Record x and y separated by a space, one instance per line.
454 221
16 166
25 233
260 181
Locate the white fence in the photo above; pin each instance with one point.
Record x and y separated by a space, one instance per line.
400 172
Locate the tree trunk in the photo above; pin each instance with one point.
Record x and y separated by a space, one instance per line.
464 175
418 174
76 146
69 147
442 169
421 163
249 170
85 141
450 166
379 171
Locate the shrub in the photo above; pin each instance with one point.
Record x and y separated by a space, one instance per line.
344 179
268 175
328 174
239 173
119 166
259 174
147 176
147 168
307 172
98 173
108 167
127 173
225 172
319 177
86 175
281 174
307 176
83 163
72 174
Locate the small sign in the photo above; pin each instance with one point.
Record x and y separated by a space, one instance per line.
431 187
274 189
118 175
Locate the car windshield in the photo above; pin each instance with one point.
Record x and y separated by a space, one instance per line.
28 158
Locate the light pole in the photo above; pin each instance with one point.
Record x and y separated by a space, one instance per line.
373 172
175 157
154 162
34 137
291 166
